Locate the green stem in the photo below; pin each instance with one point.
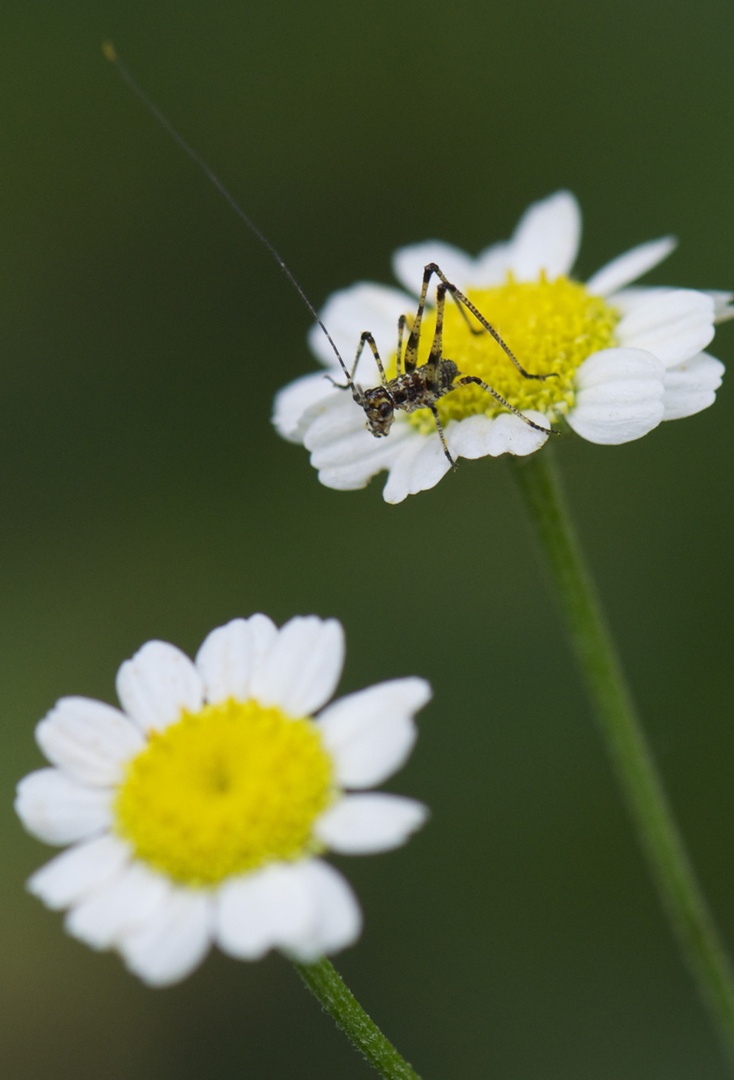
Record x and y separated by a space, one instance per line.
636 772
327 985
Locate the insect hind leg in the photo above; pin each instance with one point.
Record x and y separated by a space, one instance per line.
465 305
410 357
467 380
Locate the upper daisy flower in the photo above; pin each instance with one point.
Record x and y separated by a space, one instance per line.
613 361
198 813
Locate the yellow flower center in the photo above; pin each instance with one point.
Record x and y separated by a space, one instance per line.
225 790
550 326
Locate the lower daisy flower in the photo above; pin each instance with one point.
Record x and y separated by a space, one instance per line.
622 359
199 813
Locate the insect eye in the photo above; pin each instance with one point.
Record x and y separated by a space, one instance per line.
385 408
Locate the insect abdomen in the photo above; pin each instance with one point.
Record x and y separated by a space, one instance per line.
447 372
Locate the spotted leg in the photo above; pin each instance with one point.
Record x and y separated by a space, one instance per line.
466 380
365 339
462 300
442 437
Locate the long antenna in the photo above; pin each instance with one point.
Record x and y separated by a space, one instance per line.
126 75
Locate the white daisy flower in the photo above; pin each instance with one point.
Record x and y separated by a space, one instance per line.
622 358
199 812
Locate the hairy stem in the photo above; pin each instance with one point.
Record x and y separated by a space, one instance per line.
632 760
327 985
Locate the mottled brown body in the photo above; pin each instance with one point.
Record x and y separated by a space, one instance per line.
409 391
420 387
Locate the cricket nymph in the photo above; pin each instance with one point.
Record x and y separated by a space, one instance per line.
421 386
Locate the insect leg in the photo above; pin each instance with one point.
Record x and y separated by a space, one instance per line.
432 366
410 360
365 339
437 345
475 330
402 323
411 348
442 437
466 380
432 268
433 363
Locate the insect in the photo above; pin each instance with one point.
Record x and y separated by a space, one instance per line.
421 386
414 386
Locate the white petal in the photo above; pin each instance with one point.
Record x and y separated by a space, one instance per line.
610 365
546 238
58 810
691 386
472 438
261 911
345 453
481 436
303 667
336 413
723 307
419 466
123 903
356 448
89 740
339 419
353 475
231 653
628 267
609 426
264 635
408 264
339 436
78 871
370 734
225 661
306 909
634 296
364 824
336 919
619 396
292 403
158 684
673 326
363 306
629 299
172 941
491 266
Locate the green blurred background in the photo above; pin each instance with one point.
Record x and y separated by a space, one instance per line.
144 494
